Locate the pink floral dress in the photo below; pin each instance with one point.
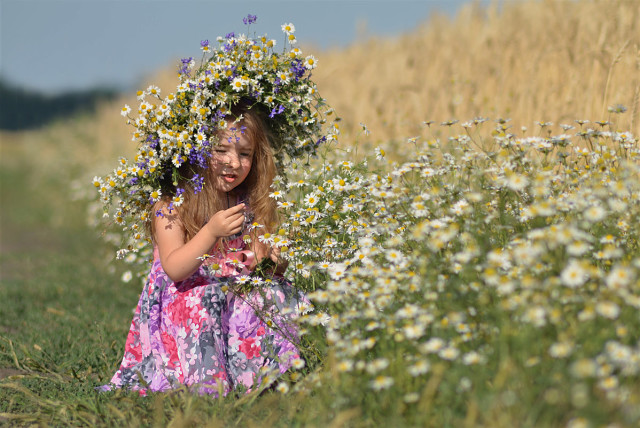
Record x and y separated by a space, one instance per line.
199 332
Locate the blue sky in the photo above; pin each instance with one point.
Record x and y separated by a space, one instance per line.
57 45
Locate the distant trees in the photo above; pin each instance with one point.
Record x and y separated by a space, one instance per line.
26 109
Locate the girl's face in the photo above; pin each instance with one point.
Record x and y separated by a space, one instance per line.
231 159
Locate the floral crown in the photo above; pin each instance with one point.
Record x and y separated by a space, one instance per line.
180 129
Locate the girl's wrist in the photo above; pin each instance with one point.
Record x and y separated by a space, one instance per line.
211 232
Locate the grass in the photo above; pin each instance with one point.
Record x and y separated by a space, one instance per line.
55 287
64 316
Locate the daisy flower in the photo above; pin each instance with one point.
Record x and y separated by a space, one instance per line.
310 62
243 279
608 309
288 28
238 84
276 195
310 200
419 368
337 270
381 382
283 387
573 275
126 276
560 349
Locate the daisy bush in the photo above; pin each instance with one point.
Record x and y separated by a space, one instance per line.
489 268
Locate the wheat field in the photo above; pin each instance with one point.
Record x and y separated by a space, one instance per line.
533 61
530 61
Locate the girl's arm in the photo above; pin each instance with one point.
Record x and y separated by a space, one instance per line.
179 259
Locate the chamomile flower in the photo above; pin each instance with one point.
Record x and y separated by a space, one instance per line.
619 277
298 363
337 270
472 358
381 382
516 182
310 62
310 200
583 368
574 274
243 279
276 195
608 383
282 387
177 200
435 344
560 349
419 368
155 195
608 309
238 84
594 213
449 353
288 28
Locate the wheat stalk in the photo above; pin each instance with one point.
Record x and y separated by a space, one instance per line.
616 59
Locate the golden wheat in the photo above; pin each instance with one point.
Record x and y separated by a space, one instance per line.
529 61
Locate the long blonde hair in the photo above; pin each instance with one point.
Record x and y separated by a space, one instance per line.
198 208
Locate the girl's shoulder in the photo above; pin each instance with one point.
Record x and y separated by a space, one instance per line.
163 208
164 216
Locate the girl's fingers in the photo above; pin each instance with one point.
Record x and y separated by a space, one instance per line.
232 217
235 209
235 225
237 218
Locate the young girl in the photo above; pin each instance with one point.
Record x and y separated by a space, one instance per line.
200 181
190 327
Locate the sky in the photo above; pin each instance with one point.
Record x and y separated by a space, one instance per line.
58 45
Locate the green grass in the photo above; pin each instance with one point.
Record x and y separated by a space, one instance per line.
64 316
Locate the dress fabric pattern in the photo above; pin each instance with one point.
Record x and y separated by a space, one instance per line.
193 333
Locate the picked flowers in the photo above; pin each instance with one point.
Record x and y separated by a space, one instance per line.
181 128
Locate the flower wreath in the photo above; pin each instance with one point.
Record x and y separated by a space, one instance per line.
181 127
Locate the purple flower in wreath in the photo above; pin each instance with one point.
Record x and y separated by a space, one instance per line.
276 110
250 19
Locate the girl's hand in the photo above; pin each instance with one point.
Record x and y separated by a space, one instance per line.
273 253
180 259
226 222
281 263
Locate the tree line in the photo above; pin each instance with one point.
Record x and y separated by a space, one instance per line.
22 108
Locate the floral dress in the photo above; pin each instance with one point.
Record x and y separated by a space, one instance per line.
203 332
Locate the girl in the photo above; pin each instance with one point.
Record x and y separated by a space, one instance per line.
189 327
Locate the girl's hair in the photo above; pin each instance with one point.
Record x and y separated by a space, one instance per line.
197 208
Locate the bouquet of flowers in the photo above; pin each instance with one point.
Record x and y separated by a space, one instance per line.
181 127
